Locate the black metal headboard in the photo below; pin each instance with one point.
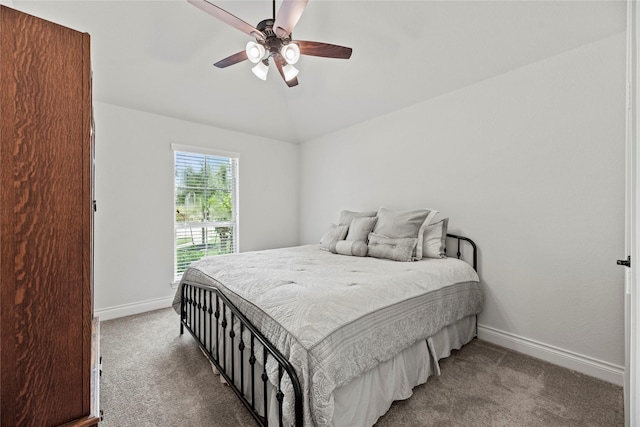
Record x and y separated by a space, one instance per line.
473 246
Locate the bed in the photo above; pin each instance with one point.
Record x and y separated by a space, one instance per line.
306 336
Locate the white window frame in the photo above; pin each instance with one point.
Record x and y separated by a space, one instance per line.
235 199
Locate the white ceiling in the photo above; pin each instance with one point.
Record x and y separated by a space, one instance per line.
157 56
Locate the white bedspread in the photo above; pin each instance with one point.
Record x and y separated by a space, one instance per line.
335 317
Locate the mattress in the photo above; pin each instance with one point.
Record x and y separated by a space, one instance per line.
336 317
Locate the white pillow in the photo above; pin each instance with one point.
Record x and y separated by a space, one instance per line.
332 235
347 216
434 242
346 247
404 224
360 228
394 249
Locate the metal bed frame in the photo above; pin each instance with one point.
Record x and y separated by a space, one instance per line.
206 311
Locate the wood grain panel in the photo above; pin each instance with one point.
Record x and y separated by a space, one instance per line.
7 284
46 266
87 222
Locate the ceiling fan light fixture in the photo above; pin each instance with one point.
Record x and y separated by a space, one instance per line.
261 70
272 38
291 53
290 72
255 52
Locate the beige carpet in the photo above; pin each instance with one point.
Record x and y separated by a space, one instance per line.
152 376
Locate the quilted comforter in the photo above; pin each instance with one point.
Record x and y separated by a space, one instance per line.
334 317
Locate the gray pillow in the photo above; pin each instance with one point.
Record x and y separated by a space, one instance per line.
360 228
353 248
347 216
394 249
434 242
404 224
332 235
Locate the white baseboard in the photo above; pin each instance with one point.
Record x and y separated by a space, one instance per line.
133 308
558 356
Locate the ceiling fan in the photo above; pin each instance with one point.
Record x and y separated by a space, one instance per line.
273 40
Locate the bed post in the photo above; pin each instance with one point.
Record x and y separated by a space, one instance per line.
183 308
474 258
473 246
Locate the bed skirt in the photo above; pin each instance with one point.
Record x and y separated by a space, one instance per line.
366 398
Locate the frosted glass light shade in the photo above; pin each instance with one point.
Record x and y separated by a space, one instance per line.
290 72
255 52
261 70
291 53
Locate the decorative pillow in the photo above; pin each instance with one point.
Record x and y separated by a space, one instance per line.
394 249
345 247
333 234
360 228
427 221
403 224
347 216
435 236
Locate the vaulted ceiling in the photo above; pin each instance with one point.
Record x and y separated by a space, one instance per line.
157 56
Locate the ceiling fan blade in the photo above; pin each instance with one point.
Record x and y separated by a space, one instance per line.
233 59
288 16
227 18
279 61
325 50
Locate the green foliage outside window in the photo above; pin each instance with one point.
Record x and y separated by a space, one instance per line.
204 194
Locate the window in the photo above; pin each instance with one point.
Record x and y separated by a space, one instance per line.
206 214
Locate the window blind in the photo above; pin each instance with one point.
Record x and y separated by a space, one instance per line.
205 207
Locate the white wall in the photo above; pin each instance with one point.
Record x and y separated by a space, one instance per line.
134 191
529 164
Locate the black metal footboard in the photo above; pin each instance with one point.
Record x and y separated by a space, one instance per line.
213 320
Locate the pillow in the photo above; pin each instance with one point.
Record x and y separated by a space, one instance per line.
403 224
353 248
427 221
435 236
333 234
347 216
394 249
360 228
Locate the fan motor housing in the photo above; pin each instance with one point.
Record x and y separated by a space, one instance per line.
266 26
271 43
